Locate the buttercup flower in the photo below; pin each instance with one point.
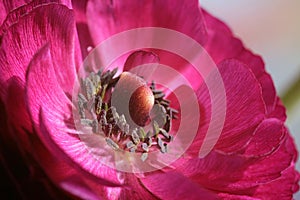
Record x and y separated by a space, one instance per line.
136 100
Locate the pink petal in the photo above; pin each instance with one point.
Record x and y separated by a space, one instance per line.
181 66
173 186
134 189
267 138
24 8
235 174
84 38
223 45
217 172
271 166
268 91
142 63
15 105
79 7
220 35
8 5
282 188
64 173
39 27
236 197
109 17
140 58
245 108
50 110
76 186
288 181
279 111
18 157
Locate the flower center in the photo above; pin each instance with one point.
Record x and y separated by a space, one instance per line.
129 113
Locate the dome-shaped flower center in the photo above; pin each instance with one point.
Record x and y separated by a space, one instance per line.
128 112
133 98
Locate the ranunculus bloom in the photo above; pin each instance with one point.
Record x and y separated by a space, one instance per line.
43 44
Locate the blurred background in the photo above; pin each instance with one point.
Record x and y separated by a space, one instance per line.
270 28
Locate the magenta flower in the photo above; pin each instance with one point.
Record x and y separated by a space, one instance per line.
45 155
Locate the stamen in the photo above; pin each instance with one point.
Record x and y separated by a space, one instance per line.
129 144
135 137
95 101
86 122
111 143
144 156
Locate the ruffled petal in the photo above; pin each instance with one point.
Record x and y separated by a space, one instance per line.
285 186
244 111
134 189
236 197
51 24
222 45
50 110
8 5
85 39
163 186
216 171
22 9
63 172
111 17
22 175
15 105
287 183
236 174
279 111
266 139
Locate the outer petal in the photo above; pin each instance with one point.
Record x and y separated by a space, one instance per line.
22 9
267 138
173 185
54 124
223 45
238 175
53 24
111 17
245 108
14 57
134 189
285 186
15 105
279 111
79 7
7 5
21 174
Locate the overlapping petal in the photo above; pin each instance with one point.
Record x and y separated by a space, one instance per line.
52 113
111 17
32 31
15 54
222 44
163 186
39 53
237 174
244 108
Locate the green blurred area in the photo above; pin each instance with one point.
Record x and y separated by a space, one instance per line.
292 95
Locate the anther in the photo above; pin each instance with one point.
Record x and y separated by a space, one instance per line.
115 121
